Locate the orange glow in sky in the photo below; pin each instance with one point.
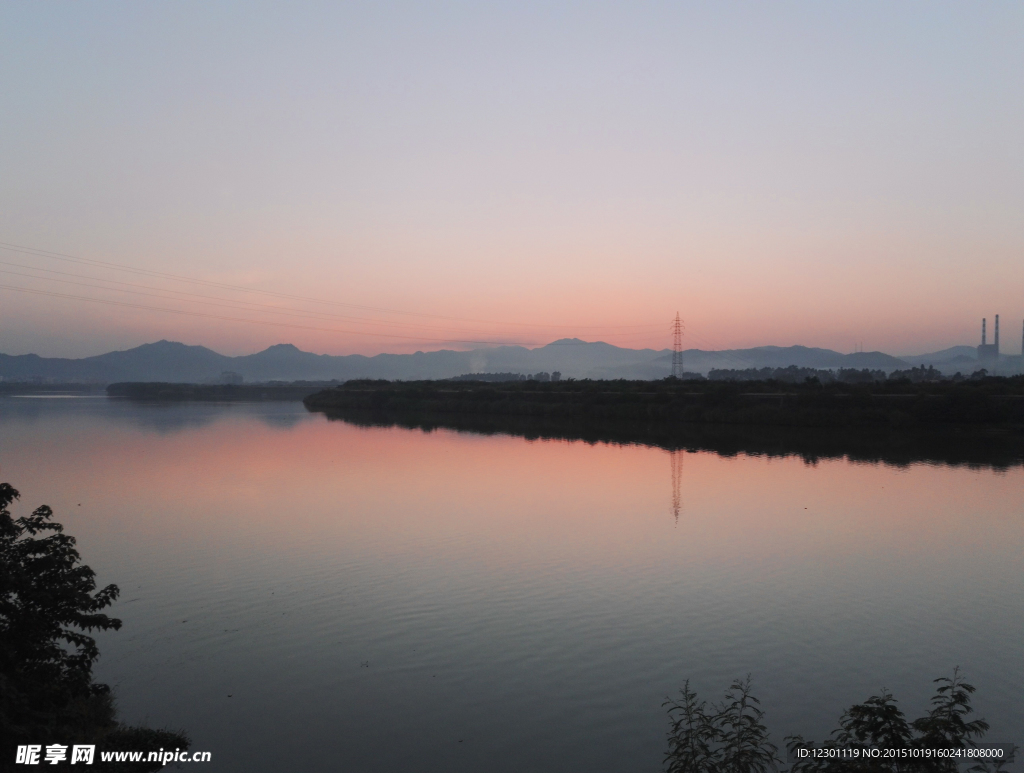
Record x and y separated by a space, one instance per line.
834 176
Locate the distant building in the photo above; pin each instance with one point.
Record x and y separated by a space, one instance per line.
230 377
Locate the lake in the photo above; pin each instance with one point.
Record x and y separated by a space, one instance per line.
305 594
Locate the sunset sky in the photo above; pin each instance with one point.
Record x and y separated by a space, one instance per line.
368 177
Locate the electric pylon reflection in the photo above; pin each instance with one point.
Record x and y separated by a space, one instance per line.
676 460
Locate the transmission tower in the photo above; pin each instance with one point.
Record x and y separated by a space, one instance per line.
677 347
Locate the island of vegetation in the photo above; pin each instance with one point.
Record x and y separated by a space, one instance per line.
975 422
990 402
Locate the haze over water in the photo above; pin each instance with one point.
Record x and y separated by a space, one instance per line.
304 594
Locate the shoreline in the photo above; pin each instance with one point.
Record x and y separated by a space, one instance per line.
995 403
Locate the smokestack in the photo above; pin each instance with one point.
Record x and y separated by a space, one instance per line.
997 335
984 322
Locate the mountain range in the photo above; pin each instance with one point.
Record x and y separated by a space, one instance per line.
177 362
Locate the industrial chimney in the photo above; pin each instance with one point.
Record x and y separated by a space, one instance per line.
988 354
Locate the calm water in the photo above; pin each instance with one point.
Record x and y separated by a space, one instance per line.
308 595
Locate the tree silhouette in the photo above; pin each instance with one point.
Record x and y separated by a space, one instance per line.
48 606
47 599
732 738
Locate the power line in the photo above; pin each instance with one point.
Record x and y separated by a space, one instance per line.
237 288
716 349
257 307
256 321
228 303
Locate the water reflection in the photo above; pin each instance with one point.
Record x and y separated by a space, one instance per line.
530 598
984 449
676 462
159 417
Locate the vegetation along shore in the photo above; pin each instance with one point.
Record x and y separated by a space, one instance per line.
993 403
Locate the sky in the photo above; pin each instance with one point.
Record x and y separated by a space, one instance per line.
392 176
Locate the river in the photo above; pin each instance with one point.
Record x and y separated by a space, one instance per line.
305 594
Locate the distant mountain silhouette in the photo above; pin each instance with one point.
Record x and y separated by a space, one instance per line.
946 354
176 362
951 360
166 361
162 361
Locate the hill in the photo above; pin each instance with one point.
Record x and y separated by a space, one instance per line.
169 361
